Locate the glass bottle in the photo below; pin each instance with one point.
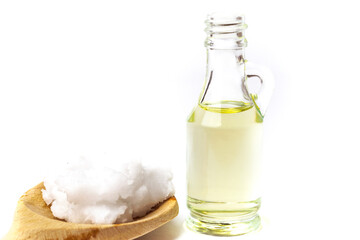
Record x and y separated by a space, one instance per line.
224 136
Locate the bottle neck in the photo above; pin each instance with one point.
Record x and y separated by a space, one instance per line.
225 74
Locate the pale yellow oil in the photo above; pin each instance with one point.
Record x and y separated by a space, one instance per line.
223 167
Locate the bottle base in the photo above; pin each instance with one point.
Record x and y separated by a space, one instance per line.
223 218
223 228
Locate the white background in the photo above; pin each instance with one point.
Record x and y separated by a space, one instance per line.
85 77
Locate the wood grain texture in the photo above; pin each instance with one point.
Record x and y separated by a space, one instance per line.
33 220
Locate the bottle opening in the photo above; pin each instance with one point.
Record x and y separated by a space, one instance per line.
225 31
225 18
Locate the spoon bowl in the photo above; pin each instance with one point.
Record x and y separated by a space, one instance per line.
34 220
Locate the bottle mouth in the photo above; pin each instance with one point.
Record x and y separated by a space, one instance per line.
224 23
225 31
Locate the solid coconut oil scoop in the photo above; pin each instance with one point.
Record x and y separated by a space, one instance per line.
92 202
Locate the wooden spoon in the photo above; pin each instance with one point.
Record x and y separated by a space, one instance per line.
33 220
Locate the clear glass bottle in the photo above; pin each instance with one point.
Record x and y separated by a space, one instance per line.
224 137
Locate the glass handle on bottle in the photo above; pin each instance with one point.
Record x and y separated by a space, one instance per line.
259 85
